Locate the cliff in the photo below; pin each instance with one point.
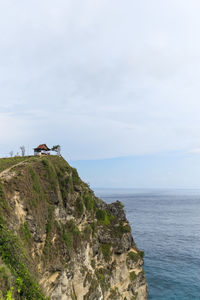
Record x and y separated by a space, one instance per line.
59 241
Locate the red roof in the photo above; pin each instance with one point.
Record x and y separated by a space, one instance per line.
42 147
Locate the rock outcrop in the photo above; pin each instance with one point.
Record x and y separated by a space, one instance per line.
59 241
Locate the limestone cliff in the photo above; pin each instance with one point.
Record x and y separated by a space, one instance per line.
59 241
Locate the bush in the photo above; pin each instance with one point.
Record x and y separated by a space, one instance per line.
25 232
133 256
133 276
141 253
79 208
3 202
71 234
105 249
103 217
89 201
51 173
75 177
13 255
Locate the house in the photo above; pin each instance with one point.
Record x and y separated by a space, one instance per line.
41 150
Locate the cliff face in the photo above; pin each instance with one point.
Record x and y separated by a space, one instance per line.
59 241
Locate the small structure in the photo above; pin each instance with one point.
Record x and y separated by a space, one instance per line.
42 150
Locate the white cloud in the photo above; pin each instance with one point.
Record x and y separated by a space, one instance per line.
106 78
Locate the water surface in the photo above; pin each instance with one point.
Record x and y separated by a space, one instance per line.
166 225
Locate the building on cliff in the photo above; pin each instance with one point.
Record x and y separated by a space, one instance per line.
42 150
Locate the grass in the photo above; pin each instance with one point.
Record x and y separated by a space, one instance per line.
141 253
79 208
48 229
86 233
3 202
5 278
25 232
71 234
133 256
75 177
133 276
106 251
35 180
13 255
103 217
89 201
52 176
102 275
6 163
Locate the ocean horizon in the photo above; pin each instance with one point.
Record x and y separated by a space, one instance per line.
166 225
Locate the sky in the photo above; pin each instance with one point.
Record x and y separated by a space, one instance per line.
116 84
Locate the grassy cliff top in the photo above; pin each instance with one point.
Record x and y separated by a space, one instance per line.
48 217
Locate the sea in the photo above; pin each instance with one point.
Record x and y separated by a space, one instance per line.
166 225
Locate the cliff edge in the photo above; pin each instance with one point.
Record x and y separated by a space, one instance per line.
59 241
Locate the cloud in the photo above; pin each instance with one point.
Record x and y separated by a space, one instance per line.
104 78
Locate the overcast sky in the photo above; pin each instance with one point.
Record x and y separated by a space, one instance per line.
102 78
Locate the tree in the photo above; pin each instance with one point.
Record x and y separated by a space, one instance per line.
57 149
11 153
22 148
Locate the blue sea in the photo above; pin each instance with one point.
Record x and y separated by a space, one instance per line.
166 225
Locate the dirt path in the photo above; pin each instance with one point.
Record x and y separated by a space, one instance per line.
5 174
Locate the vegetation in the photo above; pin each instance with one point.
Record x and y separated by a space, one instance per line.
75 177
133 256
89 201
48 188
3 202
14 257
52 176
103 278
79 208
106 251
141 253
6 163
104 217
71 234
25 232
133 276
48 227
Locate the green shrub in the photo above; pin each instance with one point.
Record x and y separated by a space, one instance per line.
102 276
93 226
5 277
87 232
133 256
75 177
71 234
89 201
69 184
25 232
49 220
133 276
103 217
67 237
3 202
13 255
141 253
51 174
106 251
9 294
49 224
36 183
79 208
